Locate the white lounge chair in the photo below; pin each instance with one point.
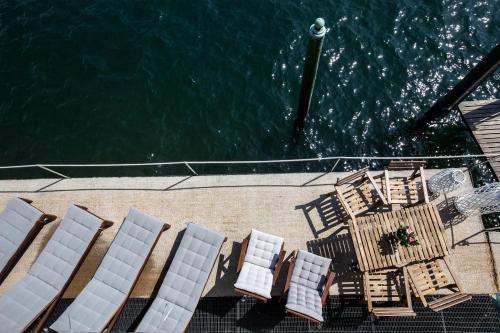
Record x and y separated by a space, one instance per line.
308 284
181 289
98 305
36 295
261 258
20 222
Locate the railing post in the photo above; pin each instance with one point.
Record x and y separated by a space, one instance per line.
317 33
51 171
191 169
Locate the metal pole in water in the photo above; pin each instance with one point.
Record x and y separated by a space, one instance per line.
317 33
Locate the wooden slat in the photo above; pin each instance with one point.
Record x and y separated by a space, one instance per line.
483 119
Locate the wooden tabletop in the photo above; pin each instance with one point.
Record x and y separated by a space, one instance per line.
375 242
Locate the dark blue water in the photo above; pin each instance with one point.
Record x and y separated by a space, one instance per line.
144 81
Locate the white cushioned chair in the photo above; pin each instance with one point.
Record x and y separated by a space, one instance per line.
187 275
260 261
308 283
20 222
98 305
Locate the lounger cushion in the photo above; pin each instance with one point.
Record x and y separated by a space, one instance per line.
310 270
308 279
16 221
23 303
97 303
184 282
255 279
305 300
263 249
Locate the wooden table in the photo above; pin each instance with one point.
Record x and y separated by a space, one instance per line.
377 247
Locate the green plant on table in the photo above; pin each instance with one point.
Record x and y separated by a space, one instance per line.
407 237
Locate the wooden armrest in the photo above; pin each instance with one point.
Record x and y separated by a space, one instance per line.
106 224
326 288
407 287
424 185
418 288
26 200
82 207
243 252
166 226
377 189
366 281
387 186
290 272
279 264
47 218
344 204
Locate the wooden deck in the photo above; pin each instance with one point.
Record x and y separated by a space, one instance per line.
483 119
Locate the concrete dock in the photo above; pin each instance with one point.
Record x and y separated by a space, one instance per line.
294 206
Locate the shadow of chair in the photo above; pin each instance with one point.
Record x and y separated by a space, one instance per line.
329 212
449 214
340 249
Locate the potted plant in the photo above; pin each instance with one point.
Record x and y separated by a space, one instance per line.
407 237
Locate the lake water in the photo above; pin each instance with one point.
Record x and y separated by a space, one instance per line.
145 81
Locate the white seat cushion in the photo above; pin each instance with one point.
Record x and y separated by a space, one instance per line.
184 282
16 221
263 249
310 270
255 279
305 300
48 275
306 284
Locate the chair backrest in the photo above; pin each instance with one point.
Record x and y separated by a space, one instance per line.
17 219
405 165
310 270
184 282
358 175
263 249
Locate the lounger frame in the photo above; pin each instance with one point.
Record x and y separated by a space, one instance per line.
30 237
44 315
115 316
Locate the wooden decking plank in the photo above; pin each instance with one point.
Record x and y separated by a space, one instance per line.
483 119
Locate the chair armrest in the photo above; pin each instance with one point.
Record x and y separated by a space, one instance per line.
377 189
279 264
47 218
290 272
26 200
82 207
243 252
366 288
387 186
106 224
407 287
344 204
424 185
326 288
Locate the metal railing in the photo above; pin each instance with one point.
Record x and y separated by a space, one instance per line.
191 164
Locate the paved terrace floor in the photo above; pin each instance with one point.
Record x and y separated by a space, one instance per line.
293 206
